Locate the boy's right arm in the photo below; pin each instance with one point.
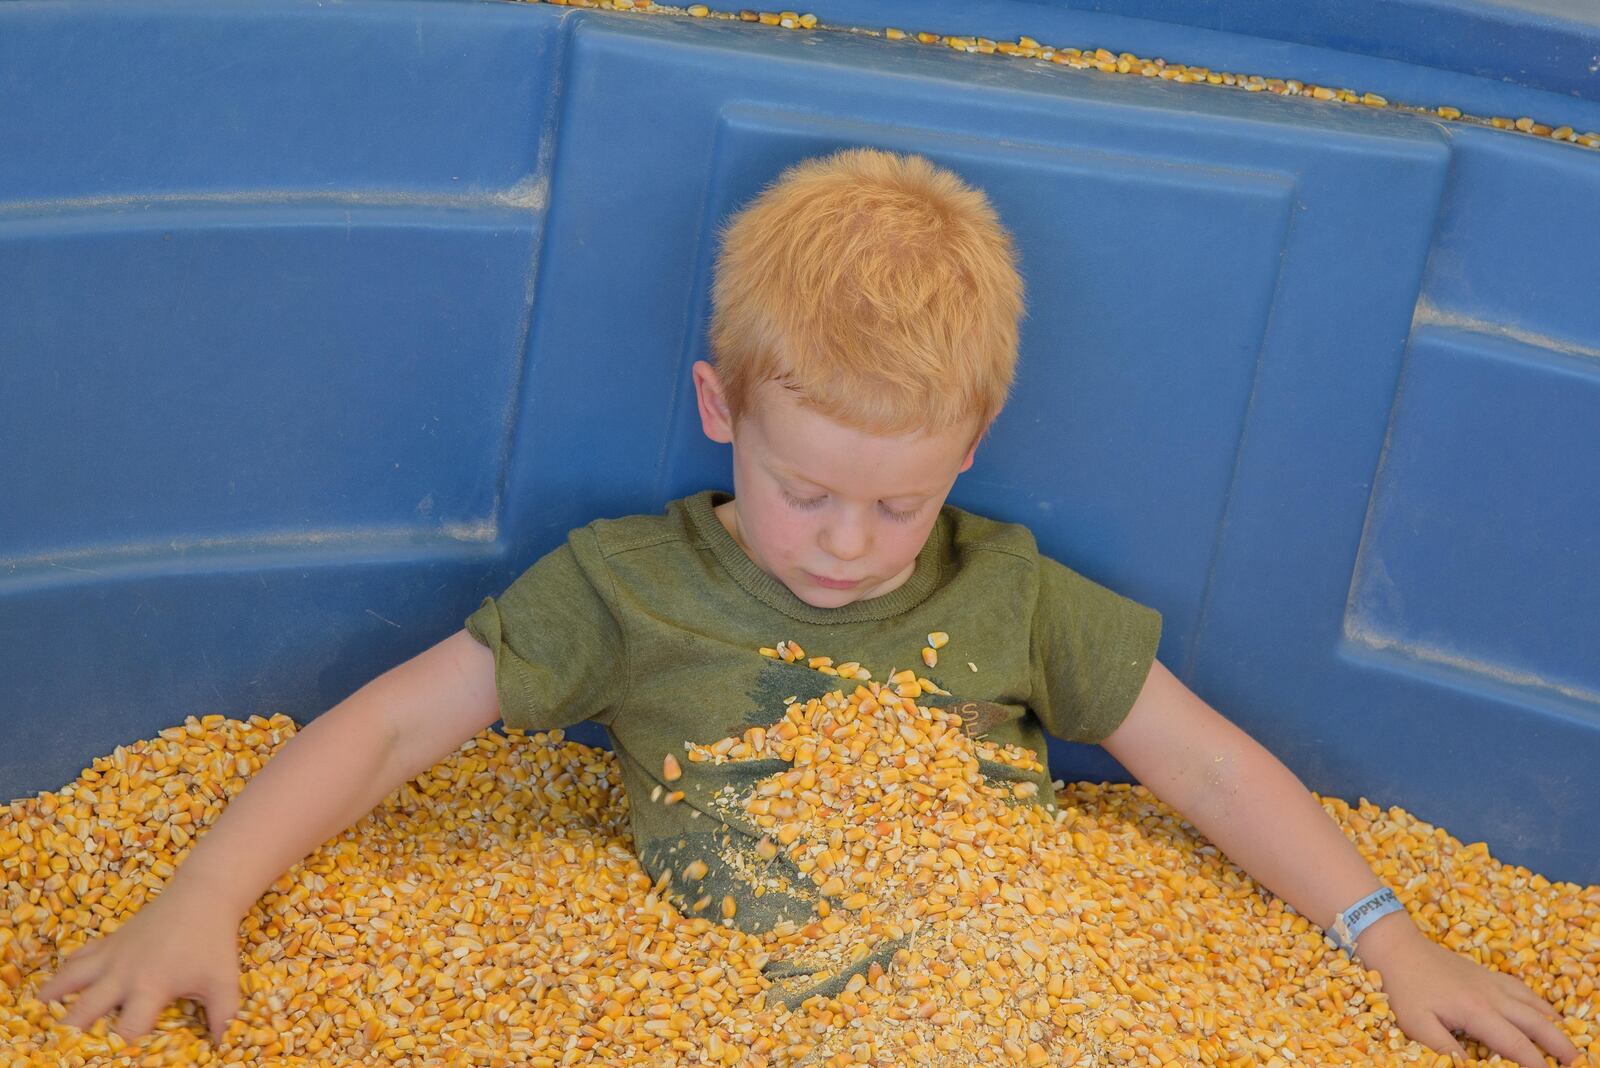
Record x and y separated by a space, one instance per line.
184 943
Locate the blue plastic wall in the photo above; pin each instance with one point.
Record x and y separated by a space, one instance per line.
319 323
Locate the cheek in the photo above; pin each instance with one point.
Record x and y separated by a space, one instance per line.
907 540
793 536
782 531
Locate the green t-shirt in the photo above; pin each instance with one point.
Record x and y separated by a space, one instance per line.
651 626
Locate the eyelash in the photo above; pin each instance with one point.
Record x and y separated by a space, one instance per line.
806 504
901 517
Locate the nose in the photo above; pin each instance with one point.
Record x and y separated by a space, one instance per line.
846 538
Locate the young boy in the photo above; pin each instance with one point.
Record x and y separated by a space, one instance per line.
864 338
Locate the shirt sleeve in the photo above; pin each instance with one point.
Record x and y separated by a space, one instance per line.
559 653
1092 650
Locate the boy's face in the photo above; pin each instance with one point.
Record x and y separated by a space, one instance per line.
835 514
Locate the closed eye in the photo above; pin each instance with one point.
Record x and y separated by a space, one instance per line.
803 503
808 503
900 517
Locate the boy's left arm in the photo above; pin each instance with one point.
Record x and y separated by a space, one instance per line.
1258 812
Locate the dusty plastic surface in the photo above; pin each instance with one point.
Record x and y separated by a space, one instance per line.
318 323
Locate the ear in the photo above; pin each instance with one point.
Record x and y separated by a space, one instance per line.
972 451
715 419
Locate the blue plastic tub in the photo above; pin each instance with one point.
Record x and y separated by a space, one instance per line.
320 322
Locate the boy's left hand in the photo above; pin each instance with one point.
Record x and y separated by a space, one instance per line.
1433 991
1257 812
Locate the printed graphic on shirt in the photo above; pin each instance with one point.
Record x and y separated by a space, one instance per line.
720 865
978 717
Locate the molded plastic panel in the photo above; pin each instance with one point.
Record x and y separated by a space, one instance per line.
324 364
1469 557
106 100
1517 251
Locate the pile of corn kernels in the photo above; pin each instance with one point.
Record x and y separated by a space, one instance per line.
491 913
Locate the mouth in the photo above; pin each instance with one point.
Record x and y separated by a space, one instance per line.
833 584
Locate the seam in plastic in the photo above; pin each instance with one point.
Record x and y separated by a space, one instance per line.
544 164
1201 617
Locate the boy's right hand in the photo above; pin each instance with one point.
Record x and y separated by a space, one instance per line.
174 947
185 942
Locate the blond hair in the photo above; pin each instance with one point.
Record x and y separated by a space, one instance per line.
882 289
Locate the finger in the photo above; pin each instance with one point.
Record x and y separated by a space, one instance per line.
1542 1030
1437 1037
1525 994
97 999
139 1013
221 1000
1504 1037
79 971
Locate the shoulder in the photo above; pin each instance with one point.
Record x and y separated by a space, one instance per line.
611 538
972 535
989 550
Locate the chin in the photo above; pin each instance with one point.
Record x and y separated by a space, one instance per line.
823 598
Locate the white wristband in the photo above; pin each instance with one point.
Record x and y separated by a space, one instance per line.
1348 925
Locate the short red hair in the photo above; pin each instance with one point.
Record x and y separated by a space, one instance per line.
882 289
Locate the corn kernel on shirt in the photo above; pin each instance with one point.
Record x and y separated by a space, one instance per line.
650 625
